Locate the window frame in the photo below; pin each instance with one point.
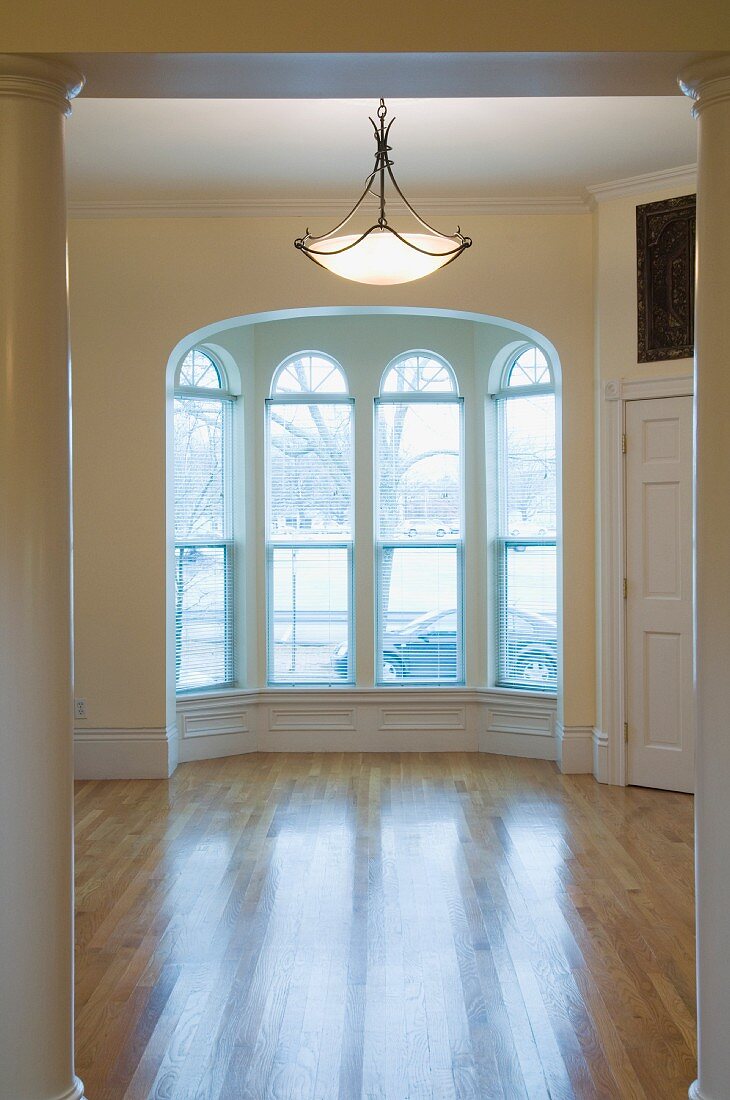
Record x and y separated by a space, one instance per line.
307 397
435 397
503 540
227 398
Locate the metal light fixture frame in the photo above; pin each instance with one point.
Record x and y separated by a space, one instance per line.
383 167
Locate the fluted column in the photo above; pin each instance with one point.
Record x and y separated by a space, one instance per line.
36 852
708 83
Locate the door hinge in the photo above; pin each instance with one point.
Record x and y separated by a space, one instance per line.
623 444
626 588
626 733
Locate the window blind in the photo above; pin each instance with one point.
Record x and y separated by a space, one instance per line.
527 624
419 627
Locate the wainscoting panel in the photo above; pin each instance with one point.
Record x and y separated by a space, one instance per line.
519 725
229 723
423 717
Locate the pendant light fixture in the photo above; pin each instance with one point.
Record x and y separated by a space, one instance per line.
382 255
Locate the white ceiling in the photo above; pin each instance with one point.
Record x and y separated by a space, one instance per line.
320 150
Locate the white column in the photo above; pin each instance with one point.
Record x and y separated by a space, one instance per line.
36 809
708 83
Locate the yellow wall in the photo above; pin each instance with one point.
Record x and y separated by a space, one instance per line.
138 286
379 26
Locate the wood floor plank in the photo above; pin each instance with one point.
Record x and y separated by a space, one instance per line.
383 927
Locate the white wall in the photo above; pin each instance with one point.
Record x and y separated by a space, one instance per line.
139 286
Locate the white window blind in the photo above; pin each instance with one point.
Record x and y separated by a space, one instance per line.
419 534
204 652
525 550
417 645
309 526
309 594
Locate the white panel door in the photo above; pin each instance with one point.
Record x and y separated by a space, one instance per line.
659 673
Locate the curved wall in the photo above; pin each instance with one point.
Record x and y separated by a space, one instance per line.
140 286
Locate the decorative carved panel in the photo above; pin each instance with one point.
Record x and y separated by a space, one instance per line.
665 254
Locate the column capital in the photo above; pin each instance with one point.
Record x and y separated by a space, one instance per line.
25 76
706 82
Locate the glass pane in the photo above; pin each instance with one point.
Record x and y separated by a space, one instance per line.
310 471
419 373
529 484
310 374
198 369
203 626
200 510
419 470
528 616
308 615
420 639
530 369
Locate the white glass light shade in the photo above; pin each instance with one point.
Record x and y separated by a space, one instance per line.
381 259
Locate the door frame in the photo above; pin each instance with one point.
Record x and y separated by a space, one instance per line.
610 759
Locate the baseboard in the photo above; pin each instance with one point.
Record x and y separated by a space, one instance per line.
76 1092
574 749
600 756
125 753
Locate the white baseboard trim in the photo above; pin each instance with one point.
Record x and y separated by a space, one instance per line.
125 753
574 749
600 755
76 1092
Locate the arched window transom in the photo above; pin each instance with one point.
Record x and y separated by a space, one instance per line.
309 372
199 371
528 368
418 372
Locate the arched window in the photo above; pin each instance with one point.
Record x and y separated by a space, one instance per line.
204 654
309 523
419 523
525 545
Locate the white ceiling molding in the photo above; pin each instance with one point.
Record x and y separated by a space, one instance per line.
683 177
293 208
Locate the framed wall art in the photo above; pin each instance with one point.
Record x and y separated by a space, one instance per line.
665 257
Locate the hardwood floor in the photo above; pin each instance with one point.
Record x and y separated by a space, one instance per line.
385 926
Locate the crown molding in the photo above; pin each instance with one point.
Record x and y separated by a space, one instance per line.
291 208
685 176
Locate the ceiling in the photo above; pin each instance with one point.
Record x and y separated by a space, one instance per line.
127 150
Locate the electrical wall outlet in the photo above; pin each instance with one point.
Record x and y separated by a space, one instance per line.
79 708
